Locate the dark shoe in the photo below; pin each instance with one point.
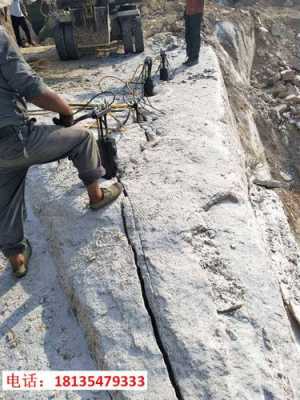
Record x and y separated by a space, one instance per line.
191 61
21 270
110 194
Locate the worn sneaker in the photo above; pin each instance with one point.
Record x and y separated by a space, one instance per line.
21 270
110 194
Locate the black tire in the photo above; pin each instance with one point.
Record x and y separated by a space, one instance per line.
139 36
127 37
59 39
70 43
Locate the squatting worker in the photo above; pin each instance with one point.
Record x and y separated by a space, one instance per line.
17 15
23 144
193 18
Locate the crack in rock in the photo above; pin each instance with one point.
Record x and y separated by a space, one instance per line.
130 226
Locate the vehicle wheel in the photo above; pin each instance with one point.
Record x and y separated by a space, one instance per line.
70 43
139 36
127 37
59 39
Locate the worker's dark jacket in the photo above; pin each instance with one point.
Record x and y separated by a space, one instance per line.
17 83
194 7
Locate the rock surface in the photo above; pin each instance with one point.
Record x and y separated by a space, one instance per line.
37 327
97 269
199 232
180 276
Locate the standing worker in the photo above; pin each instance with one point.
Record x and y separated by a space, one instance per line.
193 18
17 15
23 144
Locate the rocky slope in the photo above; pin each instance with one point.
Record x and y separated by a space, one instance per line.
258 48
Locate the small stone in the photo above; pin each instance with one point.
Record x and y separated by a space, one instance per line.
211 233
288 75
280 91
91 258
293 99
263 29
209 243
11 339
279 110
297 81
286 176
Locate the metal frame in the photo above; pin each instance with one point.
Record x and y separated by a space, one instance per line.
103 20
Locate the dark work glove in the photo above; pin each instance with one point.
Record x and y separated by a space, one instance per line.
64 120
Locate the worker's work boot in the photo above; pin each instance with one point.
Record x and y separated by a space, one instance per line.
191 61
110 194
19 262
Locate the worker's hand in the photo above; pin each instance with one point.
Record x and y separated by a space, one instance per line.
64 120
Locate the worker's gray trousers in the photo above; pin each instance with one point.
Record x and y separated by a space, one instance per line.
43 144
